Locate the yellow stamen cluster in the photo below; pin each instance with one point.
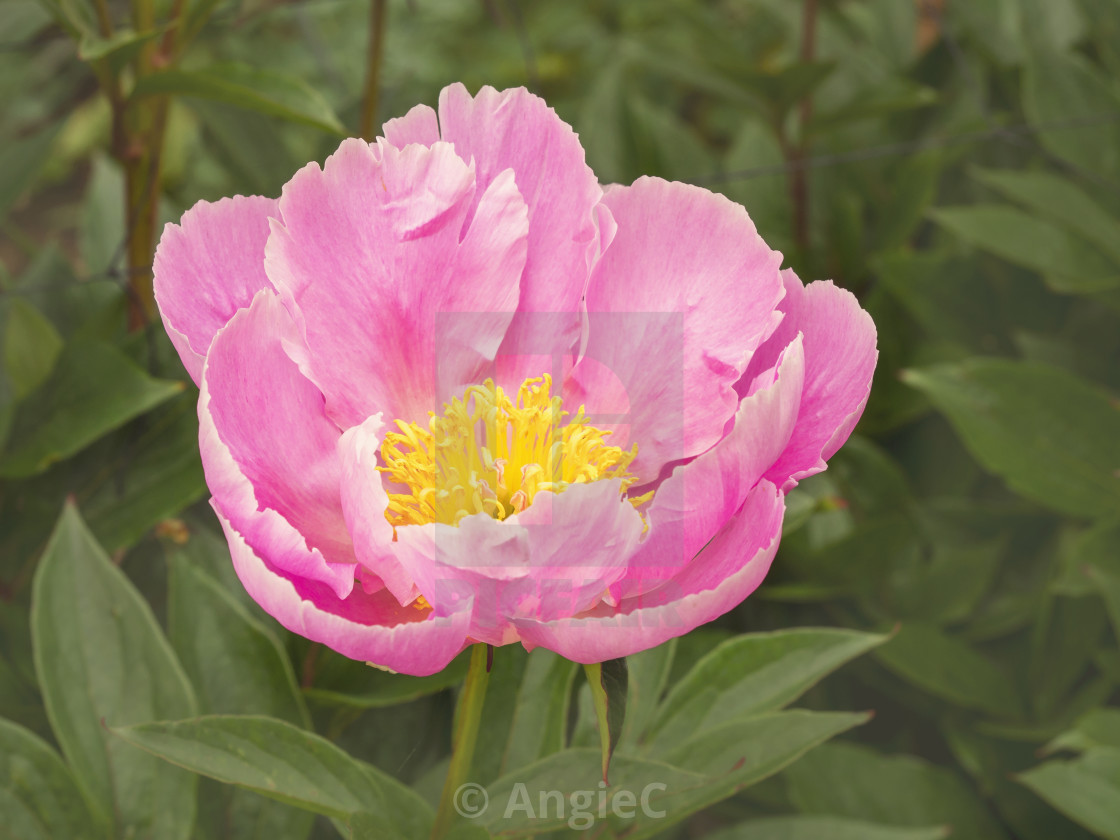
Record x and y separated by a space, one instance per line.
489 454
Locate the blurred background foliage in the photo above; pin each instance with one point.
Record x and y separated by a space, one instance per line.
955 164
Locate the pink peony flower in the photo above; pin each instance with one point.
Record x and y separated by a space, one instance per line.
454 391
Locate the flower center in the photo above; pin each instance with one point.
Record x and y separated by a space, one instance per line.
489 454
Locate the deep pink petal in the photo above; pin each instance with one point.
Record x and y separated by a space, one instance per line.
419 125
207 267
679 302
268 448
840 356
368 627
374 263
699 497
728 570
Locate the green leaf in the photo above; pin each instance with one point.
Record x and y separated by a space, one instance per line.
649 678
540 718
752 673
118 50
286 763
378 689
1096 728
20 163
94 389
608 693
1052 436
31 347
852 781
948 668
1059 200
1086 789
1076 107
264 91
236 664
38 796
154 473
1069 263
103 229
102 659
823 828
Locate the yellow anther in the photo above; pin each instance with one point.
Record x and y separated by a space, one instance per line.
489 454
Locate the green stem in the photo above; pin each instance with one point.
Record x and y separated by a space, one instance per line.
468 714
366 123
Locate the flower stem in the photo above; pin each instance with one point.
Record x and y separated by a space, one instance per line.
368 118
468 714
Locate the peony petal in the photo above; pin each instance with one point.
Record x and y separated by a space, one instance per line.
679 302
268 449
840 356
375 264
728 570
699 497
419 125
209 266
364 502
556 557
373 628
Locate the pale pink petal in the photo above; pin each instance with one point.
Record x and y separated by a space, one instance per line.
840 356
268 449
419 125
677 305
207 267
375 264
568 228
367 627
729 569
699 497
364 502
556 557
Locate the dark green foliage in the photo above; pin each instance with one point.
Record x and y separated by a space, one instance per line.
956 571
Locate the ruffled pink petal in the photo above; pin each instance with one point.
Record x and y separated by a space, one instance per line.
840 356
729 569
699 497
384 281
207 267
555 558
368 627
268 448
419 125
679 302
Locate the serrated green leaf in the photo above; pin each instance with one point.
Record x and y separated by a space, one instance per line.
1051 436
93 389
102 659
264 91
